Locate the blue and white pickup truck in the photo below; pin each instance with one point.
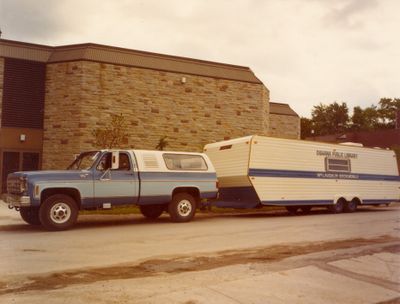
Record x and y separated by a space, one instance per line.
156 181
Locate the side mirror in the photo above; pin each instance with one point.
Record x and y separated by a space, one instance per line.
115 160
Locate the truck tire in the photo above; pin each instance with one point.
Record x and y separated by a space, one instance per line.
58 212
30 215
350 206
152 211
338 207
182 207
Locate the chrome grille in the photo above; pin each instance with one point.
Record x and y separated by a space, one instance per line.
13 186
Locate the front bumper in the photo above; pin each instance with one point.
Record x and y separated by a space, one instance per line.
18 200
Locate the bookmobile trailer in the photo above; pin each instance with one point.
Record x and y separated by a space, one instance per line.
259 171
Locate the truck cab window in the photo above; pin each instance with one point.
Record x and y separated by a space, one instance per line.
124 163
105 162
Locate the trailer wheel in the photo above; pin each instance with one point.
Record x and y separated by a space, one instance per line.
152 211
351 206
58 212
182 207
338 207
292 209
305 209
30 215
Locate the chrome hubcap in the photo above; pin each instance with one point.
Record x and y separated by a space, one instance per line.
60 213
184 208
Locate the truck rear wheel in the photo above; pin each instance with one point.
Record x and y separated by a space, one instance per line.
58 212
30 215
182 207
152 211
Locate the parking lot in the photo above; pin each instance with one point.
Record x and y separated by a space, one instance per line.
255 257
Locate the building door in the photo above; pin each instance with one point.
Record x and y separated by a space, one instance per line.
10 164
18 161
30 161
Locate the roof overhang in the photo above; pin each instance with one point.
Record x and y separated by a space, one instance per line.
126 57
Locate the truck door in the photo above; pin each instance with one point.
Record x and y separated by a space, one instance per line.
116 186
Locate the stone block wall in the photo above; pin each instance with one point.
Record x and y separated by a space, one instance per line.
62 114
284 126
82 96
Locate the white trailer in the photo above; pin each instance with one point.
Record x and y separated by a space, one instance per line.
254 171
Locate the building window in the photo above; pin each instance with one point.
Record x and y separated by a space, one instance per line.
185 162
337 165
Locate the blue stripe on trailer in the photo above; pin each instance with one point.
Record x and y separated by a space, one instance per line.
320 174
298 202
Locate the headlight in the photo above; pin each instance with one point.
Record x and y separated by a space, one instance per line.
23 184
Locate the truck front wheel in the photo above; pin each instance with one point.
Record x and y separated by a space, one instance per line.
30 215
182 207
152 211
58 212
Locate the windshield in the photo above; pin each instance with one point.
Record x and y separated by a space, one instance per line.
84 161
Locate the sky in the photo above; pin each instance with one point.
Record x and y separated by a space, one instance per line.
305 51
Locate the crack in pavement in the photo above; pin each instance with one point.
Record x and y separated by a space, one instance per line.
360 277
175 265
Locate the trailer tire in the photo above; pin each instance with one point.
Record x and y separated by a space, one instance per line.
182 208
30 215
338 207
152 211
58 212
292 209
351 206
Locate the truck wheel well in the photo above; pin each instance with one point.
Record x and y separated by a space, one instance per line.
73 193
193 191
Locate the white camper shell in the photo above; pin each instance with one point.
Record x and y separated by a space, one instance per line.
257 170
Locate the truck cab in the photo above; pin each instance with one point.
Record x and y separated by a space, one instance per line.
156 181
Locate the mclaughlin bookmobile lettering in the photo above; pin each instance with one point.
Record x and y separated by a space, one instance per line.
336 154
338 175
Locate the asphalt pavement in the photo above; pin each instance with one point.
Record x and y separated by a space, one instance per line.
260 257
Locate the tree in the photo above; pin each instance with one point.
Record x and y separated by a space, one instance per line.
306 127
334 118
113 135
387 109
162 143
330 119
365 120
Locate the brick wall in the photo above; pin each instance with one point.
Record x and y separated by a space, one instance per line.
284 126
81 96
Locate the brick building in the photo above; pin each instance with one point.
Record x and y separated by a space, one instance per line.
53 97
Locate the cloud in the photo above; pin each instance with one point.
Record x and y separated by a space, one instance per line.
30 19
305 51
349 13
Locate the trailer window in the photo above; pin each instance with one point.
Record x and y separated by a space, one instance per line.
185 162
337 165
